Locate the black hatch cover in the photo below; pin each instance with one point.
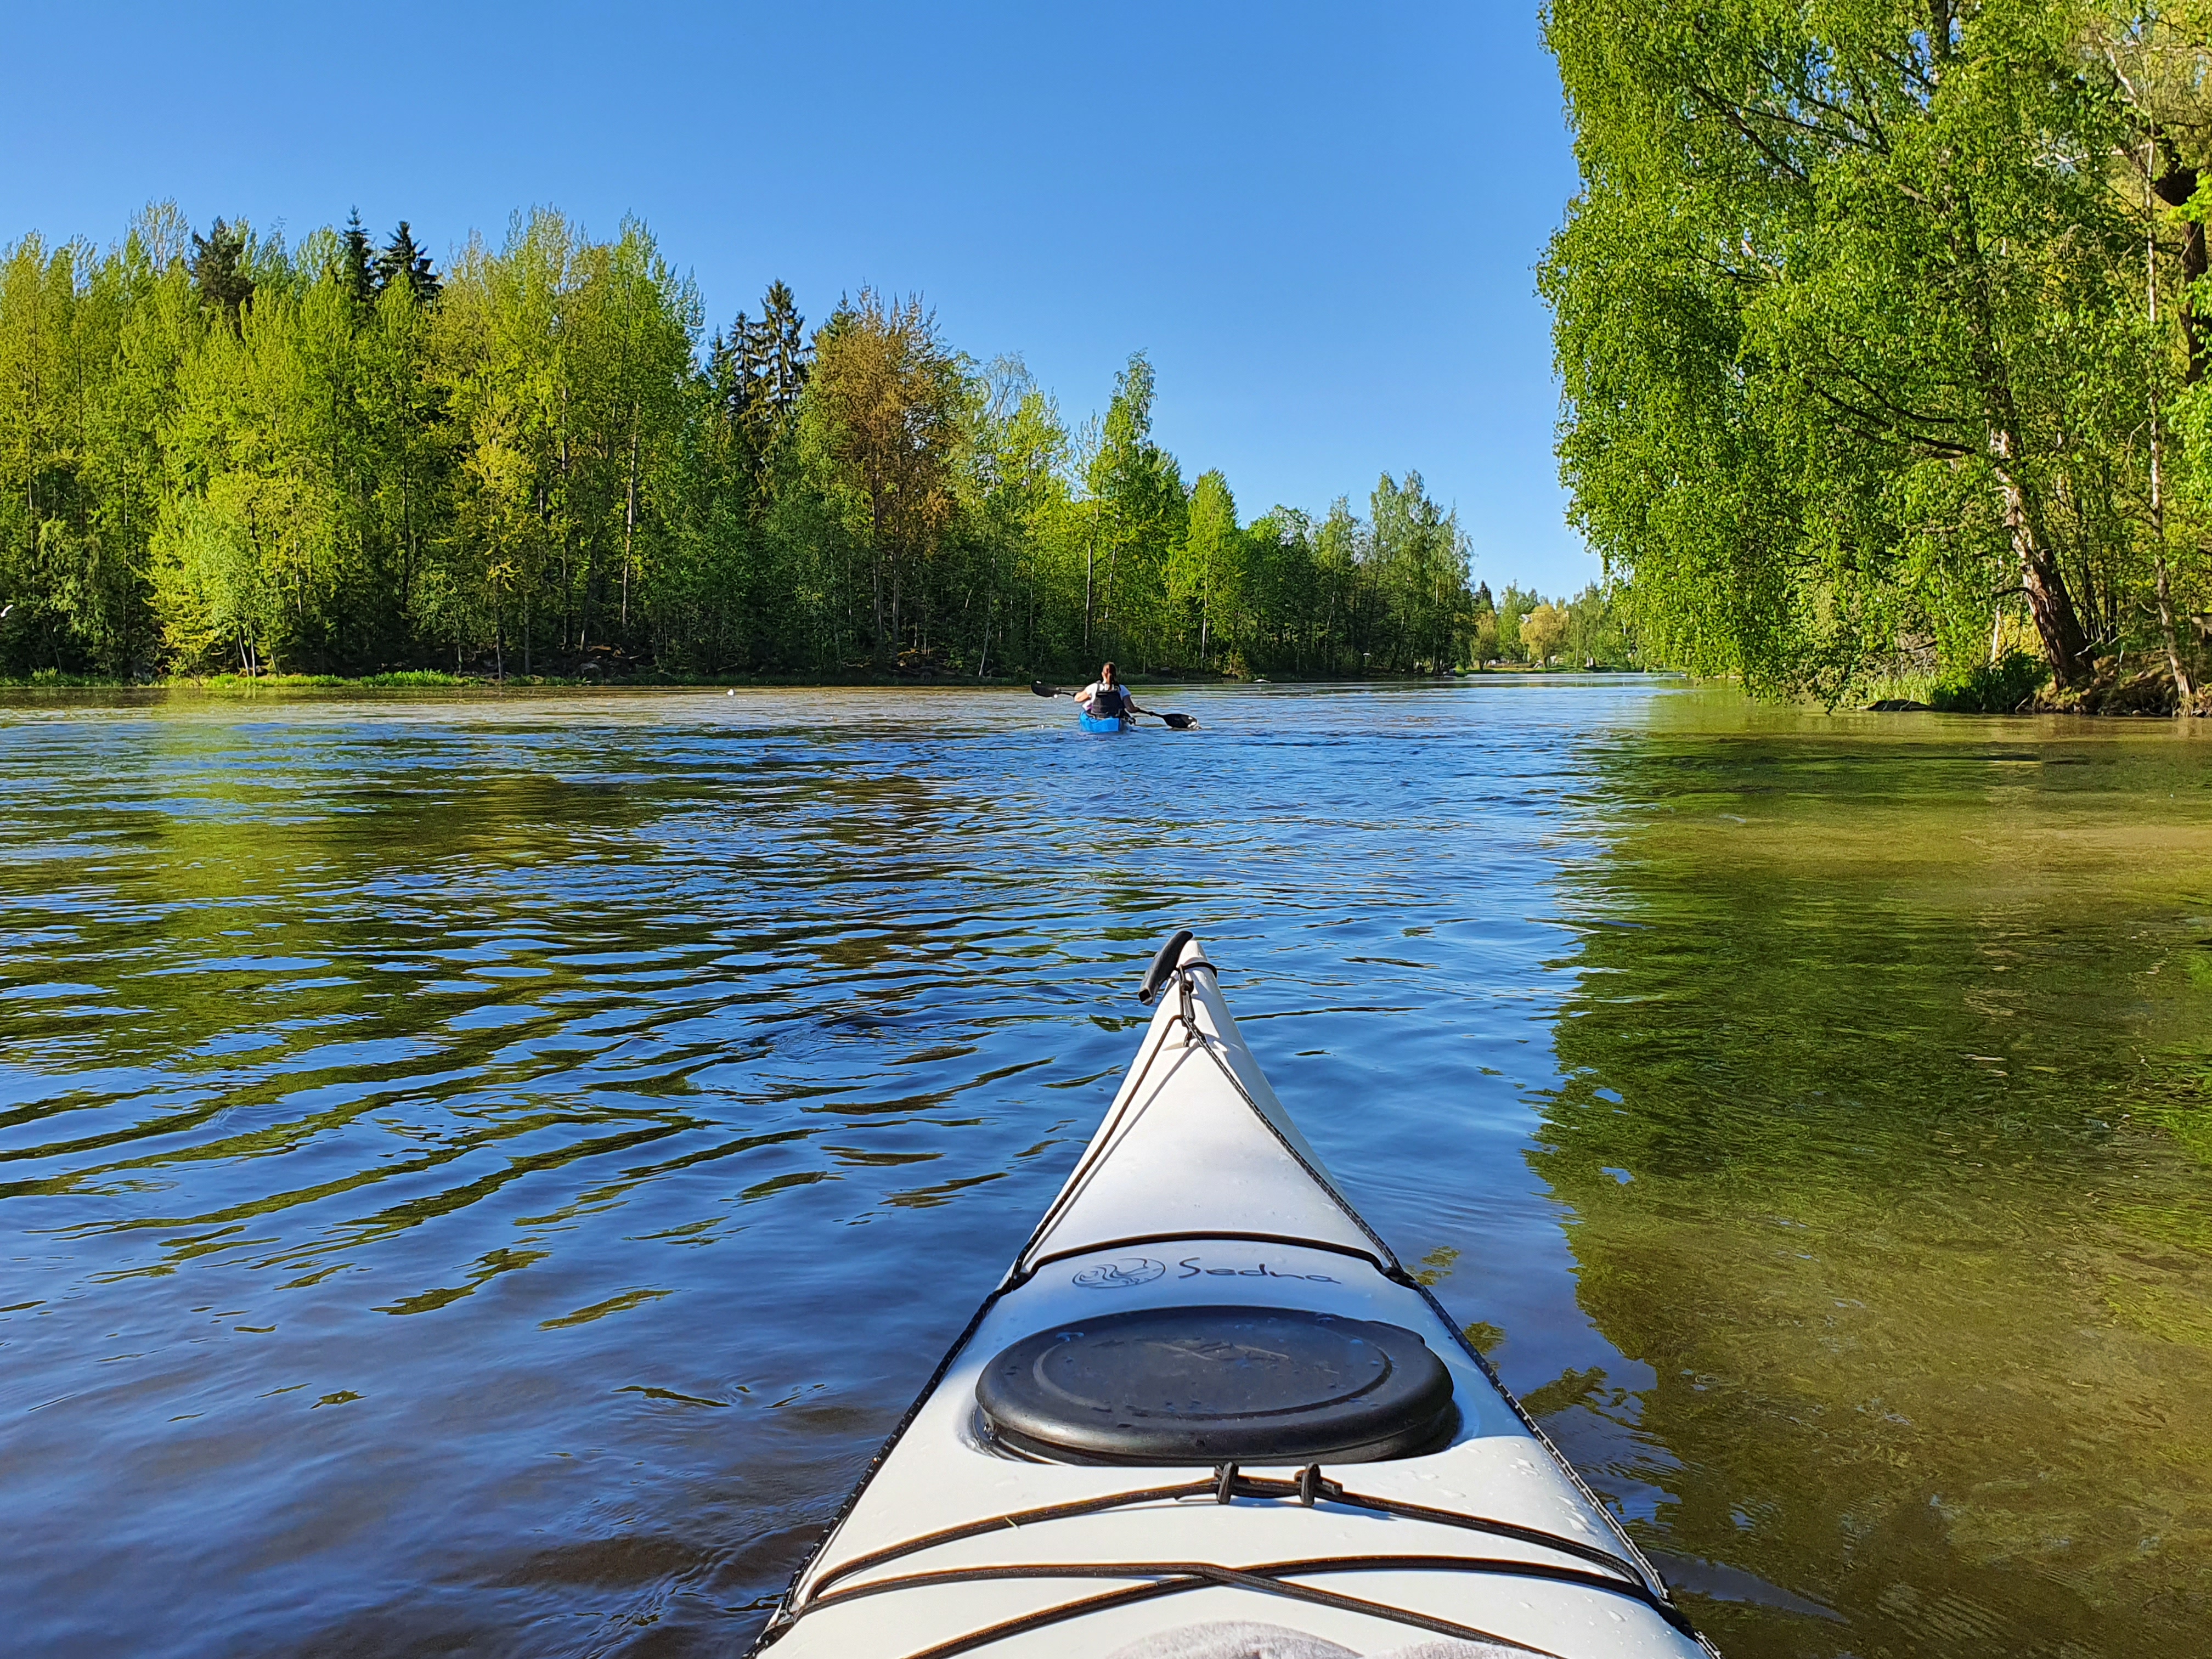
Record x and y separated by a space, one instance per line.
1219 1385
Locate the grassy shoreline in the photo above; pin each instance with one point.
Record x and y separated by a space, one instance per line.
439 679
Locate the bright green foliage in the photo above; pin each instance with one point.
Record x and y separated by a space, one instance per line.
1853 322
1543 631
89 351
1017 521
566 370
222 455
1204 566
1137 509
1598 635
1417 568
1515 606
1589 630
877 434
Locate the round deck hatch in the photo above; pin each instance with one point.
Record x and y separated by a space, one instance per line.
1219 1385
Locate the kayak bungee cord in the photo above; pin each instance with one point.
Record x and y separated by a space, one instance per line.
1310 1488
1270 1578
1227 1485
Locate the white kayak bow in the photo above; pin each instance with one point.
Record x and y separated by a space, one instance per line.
1208 1415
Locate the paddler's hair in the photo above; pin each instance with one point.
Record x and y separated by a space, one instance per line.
1108 673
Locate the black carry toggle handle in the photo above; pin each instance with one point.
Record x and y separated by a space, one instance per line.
1164 966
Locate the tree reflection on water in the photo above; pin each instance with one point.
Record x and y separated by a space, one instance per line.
1882 1126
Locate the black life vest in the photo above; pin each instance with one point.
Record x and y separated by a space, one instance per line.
1109 702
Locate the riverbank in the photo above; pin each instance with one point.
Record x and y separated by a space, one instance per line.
436 679
2148 693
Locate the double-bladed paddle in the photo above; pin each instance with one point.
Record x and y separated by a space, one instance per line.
1179 722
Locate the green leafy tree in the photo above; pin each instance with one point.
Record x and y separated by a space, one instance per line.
1207 564
1483 641
1018 520
1138 508
218 453
566 367
881 420
1853 330
1597 635
1543 631
1417 566
1515 606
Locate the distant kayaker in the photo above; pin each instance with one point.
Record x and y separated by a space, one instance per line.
1106 698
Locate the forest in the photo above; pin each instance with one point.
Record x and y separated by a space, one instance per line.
222 454
1883 330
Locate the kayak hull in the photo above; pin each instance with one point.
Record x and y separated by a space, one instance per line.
1092 723
1198 1191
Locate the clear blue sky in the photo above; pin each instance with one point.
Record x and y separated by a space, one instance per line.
1321 222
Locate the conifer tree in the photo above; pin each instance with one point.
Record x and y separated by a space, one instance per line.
403 262
758 370
219 267
358 260
764 364
785 355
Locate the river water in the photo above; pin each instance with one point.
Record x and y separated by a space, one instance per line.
481 1173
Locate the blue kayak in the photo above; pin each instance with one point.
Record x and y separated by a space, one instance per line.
1092 723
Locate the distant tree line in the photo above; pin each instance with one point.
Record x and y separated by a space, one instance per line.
1884 330
220 453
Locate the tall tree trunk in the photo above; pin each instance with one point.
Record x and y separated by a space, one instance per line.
1205 600
629 517
2183 692
407 528
2175 183
567 579
2057 623
2182 695
2048 602
878 515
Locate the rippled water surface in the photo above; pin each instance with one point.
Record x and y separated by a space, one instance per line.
481 1174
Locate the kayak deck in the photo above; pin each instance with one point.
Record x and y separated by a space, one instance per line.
1198 1194
1110 723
